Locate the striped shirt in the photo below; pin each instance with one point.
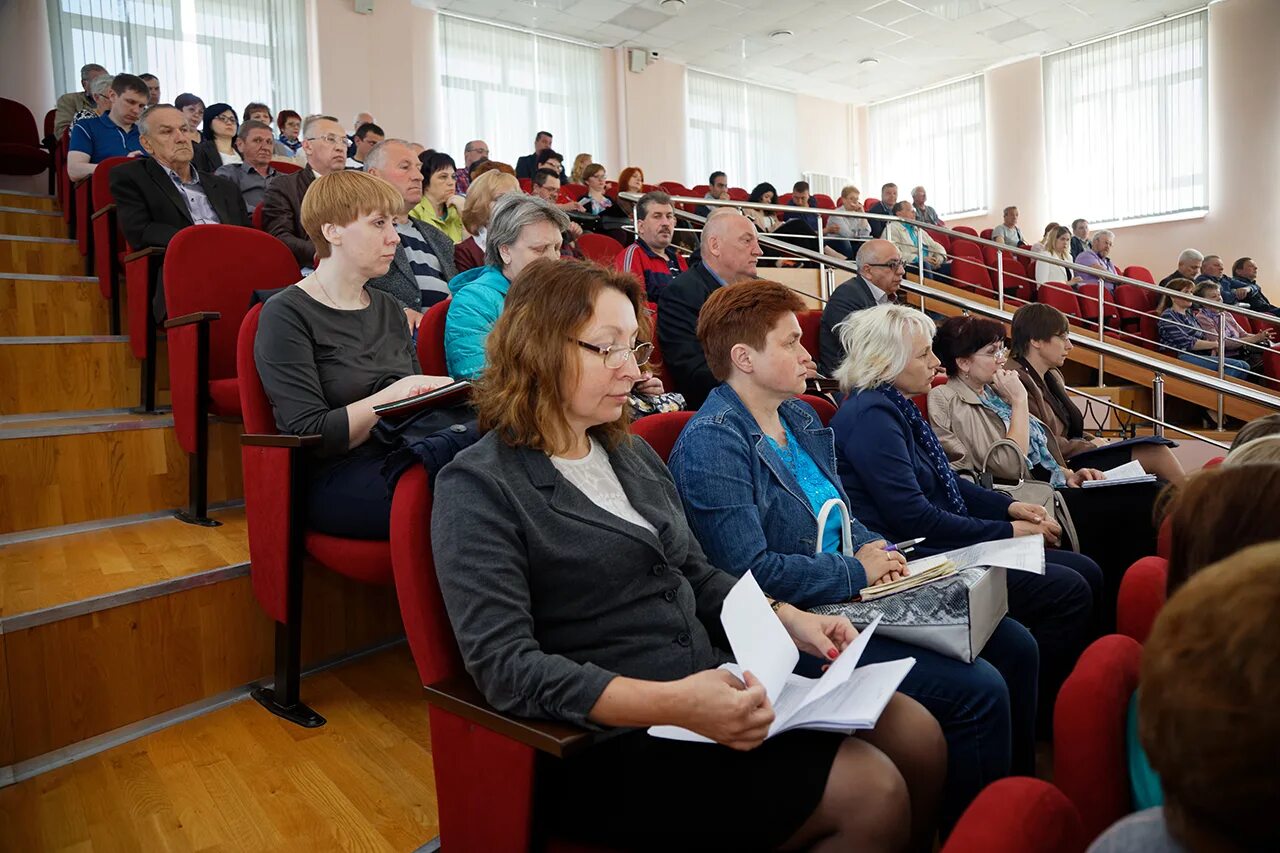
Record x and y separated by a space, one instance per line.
424 263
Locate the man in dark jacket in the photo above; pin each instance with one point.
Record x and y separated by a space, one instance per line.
730 250
888 198
879 275
158 196
326 150
528 164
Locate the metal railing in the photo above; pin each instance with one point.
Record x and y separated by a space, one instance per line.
1220 385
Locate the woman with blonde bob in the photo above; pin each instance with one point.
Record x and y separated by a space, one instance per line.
582 596
329 349
484 191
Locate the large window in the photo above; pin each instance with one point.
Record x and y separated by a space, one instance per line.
1126 122
503 86
746 131
235 51
936 138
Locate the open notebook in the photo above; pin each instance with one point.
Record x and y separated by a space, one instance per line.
1020 553
1129 472
846 698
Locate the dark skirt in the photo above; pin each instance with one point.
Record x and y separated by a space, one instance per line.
635 791
1104 458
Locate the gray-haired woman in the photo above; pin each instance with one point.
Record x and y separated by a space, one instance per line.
522 229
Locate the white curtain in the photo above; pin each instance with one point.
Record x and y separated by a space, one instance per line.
234 51
746 131
503 86
1126 123
936 138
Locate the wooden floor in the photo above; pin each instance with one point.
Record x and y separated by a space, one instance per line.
240 779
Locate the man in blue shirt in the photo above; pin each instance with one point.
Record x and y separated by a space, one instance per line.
113 134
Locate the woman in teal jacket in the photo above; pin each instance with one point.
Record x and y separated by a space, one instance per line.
521 230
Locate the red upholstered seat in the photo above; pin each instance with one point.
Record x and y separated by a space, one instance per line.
1132 302
1214 462
661 430
739 194
674 188
526 185
572 192
1164 536
107 240
1061 298
1018 815
826 411
868 203
600 248
1090 763
810 330
285 168
1140 273
224 397
20 151
1088 299
970 274
256 216
1142 594
656 363
431 357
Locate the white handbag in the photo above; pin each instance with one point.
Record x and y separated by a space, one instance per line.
953 617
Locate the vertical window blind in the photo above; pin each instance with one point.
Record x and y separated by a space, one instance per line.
235 51
746 131
503 86
937 138
1126 123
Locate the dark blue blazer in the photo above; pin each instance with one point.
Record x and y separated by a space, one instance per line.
892 486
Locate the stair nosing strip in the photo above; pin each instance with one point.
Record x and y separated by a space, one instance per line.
7 209
109 600
17 537
41 276
157 422
26 194
66 241
29 340
5 420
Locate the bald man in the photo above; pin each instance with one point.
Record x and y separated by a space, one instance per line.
730 250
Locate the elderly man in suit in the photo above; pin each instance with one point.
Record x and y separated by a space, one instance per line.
880 271
326 149
158 196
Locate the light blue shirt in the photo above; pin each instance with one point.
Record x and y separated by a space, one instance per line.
817 488
202 212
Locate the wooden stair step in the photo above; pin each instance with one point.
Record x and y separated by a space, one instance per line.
24 221
30 201
46 255
46 305
72 373
60 471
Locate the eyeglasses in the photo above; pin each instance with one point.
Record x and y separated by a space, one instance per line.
331 138
227 117
615 357
1001 354
891 265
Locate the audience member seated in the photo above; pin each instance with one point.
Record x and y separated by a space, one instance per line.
487 165
549 158
630 180
800 197
546 186
718 189
559 611
1008 232
848 233
360 120
192 107
766 221
112 134
423 265
159 195
1181 334
258 112
1210 682
325 148
880 272
754 468
330 313
1189 263
1099 257
522 229
594 200
1079 237
924 213
1211 269
472 153
899 483
366 136
1056 246
651 258
289 123
528 164
73 104
884 207
153 89
983 422
469 254
904 235
100 92
578 174
1236 337
730 250
257 146
1041 342
441 205
1038 246
1259 427
217 147
1245 287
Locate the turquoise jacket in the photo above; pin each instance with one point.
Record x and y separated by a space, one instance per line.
478 297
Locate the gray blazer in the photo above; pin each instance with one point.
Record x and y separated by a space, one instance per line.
399 280
551 596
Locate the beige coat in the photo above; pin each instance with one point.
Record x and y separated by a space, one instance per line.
968 429
897 234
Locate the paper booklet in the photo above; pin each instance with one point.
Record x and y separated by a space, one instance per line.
846 698
1021 553
1129 472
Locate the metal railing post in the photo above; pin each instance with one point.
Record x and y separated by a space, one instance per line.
1000 279
920 252
1222 359
822 245
1157 404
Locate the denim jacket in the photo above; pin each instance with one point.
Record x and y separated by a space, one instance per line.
749 512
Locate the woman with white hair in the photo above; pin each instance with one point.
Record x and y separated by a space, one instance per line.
900 483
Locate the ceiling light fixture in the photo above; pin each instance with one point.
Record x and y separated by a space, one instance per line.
781 35
869 62
673 6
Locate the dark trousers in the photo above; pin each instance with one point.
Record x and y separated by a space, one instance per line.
349 497
987 709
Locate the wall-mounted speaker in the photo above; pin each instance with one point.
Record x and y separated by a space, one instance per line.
364 7
637 59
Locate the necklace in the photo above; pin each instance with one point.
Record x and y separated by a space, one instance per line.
333 301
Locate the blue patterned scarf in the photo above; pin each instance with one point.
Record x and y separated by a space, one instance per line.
926 438
1040 453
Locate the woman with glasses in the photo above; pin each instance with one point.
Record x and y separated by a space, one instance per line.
217 148
578 593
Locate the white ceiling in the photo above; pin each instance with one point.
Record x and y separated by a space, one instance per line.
918 42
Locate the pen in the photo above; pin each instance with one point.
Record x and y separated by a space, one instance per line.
904 547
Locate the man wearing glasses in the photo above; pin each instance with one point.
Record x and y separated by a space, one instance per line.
325 147
879 276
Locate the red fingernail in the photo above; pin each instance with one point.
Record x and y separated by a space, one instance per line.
831 653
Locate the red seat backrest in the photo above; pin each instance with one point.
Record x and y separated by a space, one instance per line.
17 124
739 194
600 248
256 217
868 203
700 190
985 233
971 274
1142 593
661 430
810 330
1018 814
1139 273
50 119
1090 760
286 168
965 229
826 411
431 357
526 185
1059 297
784 199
